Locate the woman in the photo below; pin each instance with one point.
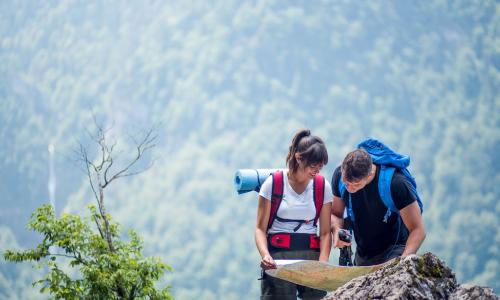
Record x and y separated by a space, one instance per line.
287 229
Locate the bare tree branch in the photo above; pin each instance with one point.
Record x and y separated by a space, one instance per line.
98 224
138 172
109 160
100 170
110 164
85 159
144 145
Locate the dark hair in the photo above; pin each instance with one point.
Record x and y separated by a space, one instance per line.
356 165
310 148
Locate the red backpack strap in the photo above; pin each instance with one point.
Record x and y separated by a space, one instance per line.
319 195
276 196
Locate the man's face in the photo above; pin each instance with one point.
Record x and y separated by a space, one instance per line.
354 186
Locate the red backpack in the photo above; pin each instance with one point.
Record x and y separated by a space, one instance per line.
277 196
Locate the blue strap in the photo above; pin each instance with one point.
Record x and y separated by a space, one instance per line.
413 187
384 189
348 208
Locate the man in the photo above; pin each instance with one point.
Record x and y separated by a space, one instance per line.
380 235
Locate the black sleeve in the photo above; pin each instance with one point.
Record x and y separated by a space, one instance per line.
335 182
401 191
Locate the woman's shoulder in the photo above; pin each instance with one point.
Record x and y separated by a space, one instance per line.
268 183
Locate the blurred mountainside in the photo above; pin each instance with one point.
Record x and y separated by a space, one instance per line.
227 84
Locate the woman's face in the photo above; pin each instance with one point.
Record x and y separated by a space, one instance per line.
312 170
309 170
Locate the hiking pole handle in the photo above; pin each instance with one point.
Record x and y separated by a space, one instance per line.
345 236
345 258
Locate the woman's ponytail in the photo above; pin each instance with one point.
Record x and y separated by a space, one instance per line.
290 158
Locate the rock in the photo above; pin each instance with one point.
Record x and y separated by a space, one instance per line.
415 277
473 292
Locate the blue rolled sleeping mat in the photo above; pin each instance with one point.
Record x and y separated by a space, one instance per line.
248 180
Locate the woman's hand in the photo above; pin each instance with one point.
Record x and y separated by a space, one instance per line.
267 262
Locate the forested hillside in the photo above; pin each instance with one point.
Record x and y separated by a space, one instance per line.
227 84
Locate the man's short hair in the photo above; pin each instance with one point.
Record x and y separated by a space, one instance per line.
356 165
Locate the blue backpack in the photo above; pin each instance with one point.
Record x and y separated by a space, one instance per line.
389 161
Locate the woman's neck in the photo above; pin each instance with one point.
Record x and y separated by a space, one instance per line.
298 177
298 181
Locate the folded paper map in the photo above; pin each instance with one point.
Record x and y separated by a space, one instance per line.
320 275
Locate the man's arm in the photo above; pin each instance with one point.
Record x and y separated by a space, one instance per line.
412 218
338 221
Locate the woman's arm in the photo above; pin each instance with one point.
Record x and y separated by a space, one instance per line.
325 235
263 211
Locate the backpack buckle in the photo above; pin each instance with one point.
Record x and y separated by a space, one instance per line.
387 215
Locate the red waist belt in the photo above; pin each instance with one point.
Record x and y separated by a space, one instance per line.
292 241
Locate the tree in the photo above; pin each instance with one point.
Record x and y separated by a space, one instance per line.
95 263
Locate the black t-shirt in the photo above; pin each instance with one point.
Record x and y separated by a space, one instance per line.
372 235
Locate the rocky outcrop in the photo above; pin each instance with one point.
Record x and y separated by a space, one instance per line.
415 277
473 292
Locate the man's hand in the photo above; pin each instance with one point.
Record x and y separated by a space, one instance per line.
337 242
337 222
409 257
267 262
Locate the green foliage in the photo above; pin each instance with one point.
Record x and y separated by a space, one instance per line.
69 241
